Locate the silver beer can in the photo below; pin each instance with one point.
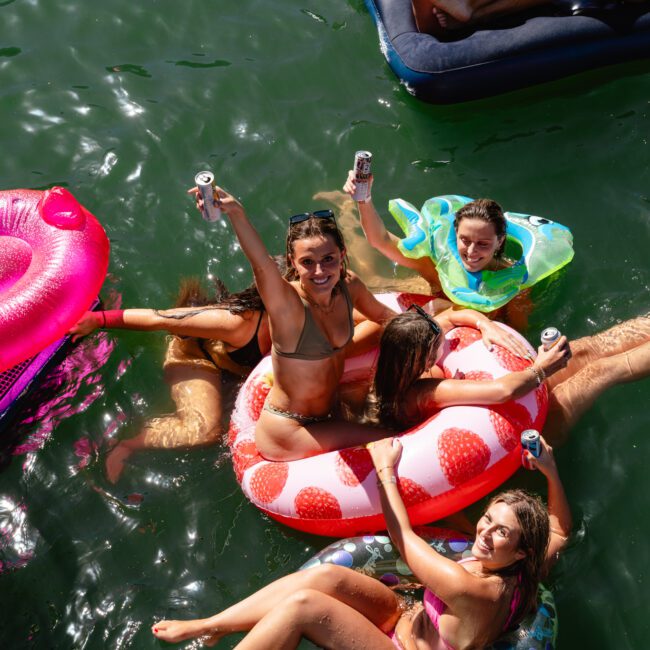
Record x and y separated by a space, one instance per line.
530 441
362 165
205 182
550 336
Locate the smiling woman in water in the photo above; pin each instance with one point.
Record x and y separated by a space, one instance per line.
466 605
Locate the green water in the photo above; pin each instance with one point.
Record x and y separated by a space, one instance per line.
122 103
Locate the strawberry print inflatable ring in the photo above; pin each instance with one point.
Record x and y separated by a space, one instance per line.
451 460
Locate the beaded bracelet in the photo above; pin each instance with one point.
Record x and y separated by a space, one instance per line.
392 479
539 373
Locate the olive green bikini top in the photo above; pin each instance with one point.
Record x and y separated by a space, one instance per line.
313 344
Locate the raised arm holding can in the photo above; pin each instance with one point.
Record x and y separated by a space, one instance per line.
205 182
362 167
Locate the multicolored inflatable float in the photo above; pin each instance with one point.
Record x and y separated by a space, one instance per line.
538 247
453 459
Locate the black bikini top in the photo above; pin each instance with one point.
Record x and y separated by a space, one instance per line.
250 354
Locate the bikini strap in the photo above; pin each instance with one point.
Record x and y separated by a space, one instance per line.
259 322
514 602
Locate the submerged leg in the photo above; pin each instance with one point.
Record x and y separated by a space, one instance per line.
588 349
196 421
363 257
368 596
569 400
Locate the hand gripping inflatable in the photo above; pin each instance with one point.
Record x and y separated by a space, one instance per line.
53 260
376 556
448 462
540 247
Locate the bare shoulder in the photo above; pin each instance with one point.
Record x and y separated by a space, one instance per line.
235 321
354 284
488 587
352 278
443 313
438 306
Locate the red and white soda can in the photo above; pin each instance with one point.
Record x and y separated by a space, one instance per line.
205 182
362 165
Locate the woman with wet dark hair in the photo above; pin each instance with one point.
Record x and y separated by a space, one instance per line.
215 341
409 387
480 237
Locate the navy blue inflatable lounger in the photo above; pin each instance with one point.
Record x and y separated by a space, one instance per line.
518 51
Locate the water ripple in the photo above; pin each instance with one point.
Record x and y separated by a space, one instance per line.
130 68
123 105
217 63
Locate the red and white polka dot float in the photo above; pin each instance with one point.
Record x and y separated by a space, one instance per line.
449 461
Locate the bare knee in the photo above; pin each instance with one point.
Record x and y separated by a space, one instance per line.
211 431
328 578
305 606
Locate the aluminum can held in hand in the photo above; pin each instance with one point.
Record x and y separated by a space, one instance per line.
530 441
550 336
362 165
205 182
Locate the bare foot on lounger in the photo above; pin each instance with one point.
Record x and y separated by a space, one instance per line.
437 16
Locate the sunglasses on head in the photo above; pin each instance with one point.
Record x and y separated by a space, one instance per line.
432 323
318 214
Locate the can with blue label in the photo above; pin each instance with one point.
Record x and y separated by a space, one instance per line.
530 440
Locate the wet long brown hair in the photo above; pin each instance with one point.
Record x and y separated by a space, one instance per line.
404 349
485 210
192 293
532 516
313 227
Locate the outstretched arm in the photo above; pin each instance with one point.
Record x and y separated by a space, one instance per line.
209 322
270 283
440 574
430 394
559 512
383 240
490 331
280 299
